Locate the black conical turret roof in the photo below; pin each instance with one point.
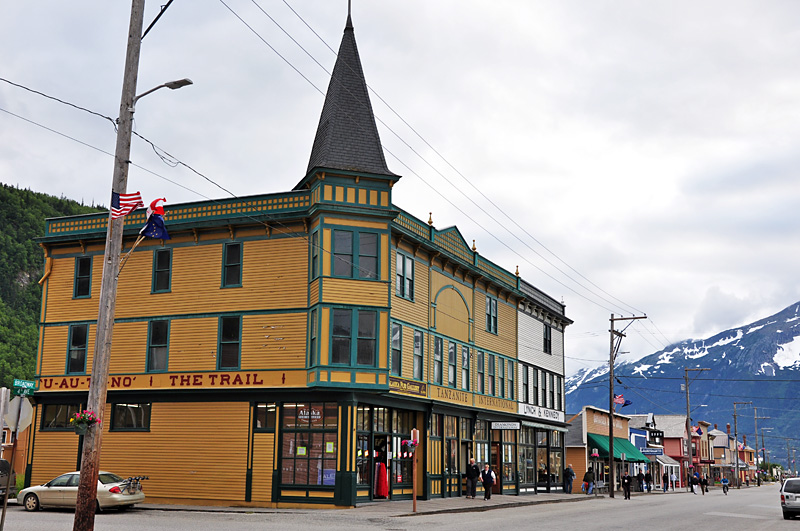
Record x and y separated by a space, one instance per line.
347 137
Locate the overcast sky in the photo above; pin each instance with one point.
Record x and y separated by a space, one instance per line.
630 157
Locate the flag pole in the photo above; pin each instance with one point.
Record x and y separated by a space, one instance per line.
128 254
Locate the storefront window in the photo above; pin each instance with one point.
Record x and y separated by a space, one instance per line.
309 444
401 458
481 442
526 466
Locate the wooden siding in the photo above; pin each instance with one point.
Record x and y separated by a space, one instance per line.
275 341
452 310
274 275
185 447
263 466
54 349
56 453
60 304
356 292
129 348
416 311
531 345
193 344
313 292
505 341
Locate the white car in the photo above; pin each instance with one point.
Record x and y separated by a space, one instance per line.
790 498
112 491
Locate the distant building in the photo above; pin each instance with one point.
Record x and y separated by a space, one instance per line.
279 349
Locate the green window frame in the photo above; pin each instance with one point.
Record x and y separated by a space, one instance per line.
481 372
451 364
501 375
230 343
404 276
492 380
547 345
162 271
131 417
82 285
419 363
55 417
265 417
354 337
465 367
232 260
397 349
491 314
309 444
314 252
510 378
77 348
312 336
438 353
355 254
158 346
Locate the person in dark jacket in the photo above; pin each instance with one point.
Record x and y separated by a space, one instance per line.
626 485
695 481
473 473
704 484
569 475
487 478
588 480
640 481
648 481
665 481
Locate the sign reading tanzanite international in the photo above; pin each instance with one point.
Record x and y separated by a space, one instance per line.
541 413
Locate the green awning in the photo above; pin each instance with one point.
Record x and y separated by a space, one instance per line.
621 446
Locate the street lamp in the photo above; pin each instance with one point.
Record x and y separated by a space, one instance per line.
172 85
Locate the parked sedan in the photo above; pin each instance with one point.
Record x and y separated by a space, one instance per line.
112 491
790 498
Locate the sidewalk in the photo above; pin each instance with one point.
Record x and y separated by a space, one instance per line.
399 508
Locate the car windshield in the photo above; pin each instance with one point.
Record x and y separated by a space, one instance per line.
792 486
107 477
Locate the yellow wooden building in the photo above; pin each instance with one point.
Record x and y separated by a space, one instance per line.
279 348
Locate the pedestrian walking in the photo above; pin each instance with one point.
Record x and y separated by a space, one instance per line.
648 481
704 484
640 481
588 481
695 481
569 475
487 478
673 479
665 481
473 473
626 485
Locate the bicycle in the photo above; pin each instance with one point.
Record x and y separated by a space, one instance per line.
132 484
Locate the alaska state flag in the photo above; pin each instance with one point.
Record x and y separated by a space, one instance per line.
627 403
154 227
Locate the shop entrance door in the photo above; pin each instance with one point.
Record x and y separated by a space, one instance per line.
497 466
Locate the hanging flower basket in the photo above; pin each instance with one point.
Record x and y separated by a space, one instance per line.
81 422
411 445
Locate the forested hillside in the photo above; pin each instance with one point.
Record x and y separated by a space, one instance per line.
22 218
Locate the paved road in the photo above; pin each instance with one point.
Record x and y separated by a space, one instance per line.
748 509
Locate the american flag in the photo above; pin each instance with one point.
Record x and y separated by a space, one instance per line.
618 399
124 204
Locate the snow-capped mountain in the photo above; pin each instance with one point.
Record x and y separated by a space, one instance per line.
759 362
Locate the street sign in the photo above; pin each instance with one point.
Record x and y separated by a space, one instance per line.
24 384
24 410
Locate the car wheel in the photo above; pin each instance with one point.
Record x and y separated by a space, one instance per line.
31 502
786 516
97 508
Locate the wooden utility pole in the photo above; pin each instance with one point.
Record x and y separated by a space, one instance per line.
755 425
92 441
614 349
736 442
688 421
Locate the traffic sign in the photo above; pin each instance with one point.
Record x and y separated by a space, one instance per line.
24 384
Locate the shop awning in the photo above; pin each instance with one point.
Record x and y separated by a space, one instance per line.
667 460
529 424
621 446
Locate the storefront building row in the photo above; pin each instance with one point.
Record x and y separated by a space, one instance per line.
278 349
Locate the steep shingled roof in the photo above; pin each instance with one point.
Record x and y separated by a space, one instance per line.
347 137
